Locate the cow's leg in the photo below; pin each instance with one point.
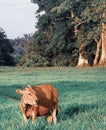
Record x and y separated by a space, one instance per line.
23 113
25 119
33 111
54 113
33 117
49 117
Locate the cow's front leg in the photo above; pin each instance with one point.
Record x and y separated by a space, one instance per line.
23 113
25 119
34 116
34 111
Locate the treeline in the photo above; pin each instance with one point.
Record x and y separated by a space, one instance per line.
69 33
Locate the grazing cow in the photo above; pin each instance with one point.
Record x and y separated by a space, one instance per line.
39 101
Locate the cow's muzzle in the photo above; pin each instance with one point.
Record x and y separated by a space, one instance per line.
36 103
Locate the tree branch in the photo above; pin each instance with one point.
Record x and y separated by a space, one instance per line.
76 26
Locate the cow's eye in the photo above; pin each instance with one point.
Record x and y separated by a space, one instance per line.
29 94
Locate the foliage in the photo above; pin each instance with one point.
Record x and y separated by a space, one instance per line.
63 27
5 50
24 50
82 98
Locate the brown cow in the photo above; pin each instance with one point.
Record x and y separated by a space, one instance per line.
38 101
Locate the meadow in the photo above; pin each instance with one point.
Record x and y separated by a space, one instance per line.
82 97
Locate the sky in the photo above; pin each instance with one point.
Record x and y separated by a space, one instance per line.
17 17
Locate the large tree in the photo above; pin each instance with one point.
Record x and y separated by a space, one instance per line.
55 36
95 22
103 35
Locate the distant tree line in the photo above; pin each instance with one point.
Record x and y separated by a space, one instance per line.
69 33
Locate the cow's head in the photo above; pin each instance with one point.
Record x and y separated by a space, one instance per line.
28 96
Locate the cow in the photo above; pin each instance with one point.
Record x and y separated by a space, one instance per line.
39 100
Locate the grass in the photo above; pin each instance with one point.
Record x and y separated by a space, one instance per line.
82 97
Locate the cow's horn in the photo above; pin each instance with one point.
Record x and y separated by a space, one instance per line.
29 86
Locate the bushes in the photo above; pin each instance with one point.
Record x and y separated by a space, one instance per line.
32 60
40 61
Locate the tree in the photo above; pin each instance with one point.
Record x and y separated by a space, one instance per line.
88 29
94 15
54 37
5 50
23 49
103 37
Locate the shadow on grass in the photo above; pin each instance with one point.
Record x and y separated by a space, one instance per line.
73 110
71 91
79 109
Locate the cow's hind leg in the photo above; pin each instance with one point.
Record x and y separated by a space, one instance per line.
49 117
54 113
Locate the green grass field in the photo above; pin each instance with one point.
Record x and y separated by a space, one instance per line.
82 97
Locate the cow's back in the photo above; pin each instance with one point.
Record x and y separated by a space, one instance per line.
47 95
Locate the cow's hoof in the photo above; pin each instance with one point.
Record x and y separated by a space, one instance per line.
49 119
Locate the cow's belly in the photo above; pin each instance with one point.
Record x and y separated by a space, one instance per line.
43 110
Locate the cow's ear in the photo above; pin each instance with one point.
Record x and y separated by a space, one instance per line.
18 91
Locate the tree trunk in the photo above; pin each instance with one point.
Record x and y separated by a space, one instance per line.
82 62
97 52
102 61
